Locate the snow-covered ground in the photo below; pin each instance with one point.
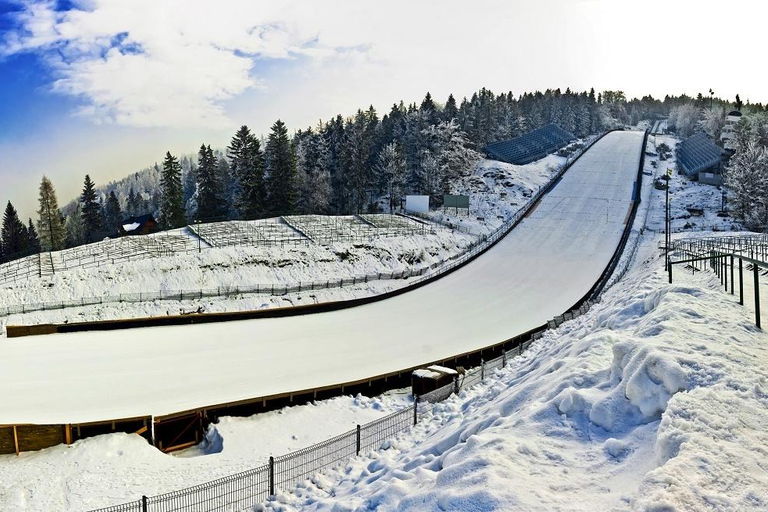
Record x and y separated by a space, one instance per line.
117 468
684 195
655 399
541 269
498 190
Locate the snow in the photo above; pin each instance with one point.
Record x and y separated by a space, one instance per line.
685 194
117 468
541 269
130 227
498 191
653 400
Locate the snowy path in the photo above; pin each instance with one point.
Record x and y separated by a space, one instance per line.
540 270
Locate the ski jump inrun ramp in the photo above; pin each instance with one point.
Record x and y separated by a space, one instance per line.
541 269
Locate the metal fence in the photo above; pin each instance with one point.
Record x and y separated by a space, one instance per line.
270 232
242 491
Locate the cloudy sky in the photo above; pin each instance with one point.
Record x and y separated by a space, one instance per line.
107 86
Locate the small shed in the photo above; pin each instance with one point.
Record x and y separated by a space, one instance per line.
431 378
139 225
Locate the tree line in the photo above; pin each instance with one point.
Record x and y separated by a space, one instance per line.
364 162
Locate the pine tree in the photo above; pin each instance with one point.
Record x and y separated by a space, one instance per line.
50 224
90 211
171 202
450 111
313 174
15 238
246 162
112 214
281 167
73 225
210 203
33 241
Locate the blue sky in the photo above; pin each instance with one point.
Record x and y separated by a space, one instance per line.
106 87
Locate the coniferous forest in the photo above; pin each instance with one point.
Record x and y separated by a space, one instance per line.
364 162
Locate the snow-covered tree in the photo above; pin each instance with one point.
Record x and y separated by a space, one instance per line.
713 121
685 119
747 179
390 169
313 174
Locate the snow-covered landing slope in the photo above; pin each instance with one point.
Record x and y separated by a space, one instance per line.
540 270
655 400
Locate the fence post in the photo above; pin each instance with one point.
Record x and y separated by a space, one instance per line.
144 504
456 384
358 440
482 370
415 409
756 270
503 358
741 282
731 274
271 476
670 272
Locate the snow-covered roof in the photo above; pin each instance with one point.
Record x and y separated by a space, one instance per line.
131 227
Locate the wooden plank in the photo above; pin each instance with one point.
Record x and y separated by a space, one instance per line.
141 430
16 439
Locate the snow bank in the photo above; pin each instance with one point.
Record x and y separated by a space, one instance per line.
117 468
654 400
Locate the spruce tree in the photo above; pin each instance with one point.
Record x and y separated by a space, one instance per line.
50 224
112 214
15 238
171 203
282 170
246 162
450 111
90 211
33 240
210 203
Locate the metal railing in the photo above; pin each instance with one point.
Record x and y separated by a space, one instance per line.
242 491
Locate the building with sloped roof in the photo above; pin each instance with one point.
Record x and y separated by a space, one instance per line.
699 158
531 146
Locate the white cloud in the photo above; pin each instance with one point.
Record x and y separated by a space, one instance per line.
181 63
148 63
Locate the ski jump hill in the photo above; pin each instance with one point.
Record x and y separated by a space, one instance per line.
145 376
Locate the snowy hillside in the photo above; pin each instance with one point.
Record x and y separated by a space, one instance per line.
647 402
497 189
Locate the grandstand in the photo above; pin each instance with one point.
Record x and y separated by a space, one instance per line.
531 146
697 155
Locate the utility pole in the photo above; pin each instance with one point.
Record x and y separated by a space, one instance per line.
668 236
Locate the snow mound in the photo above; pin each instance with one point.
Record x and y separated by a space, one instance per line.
653 400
